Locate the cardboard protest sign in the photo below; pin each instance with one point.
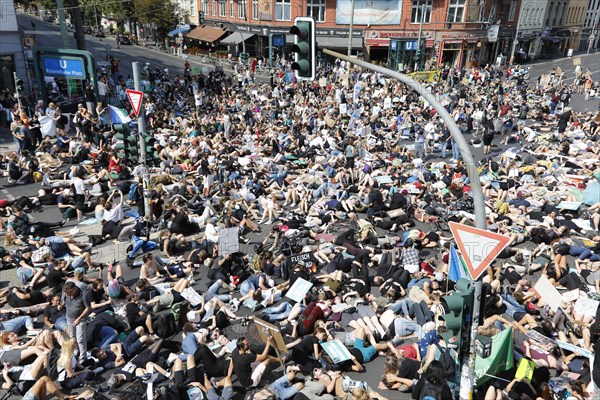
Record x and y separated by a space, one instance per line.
299 290
336 350
306 259
266 329
551 296
229 241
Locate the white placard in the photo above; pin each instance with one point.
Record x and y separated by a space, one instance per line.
551 296
585 306
298 290
571 295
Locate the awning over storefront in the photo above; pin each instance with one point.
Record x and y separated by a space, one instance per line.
236 38
562 33
338 42
206 33
552 39
183 29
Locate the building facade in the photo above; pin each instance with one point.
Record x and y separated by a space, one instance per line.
590 33
12 58
434 32
530 26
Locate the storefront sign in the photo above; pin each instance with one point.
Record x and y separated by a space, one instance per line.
492 33
266 30
397 34
380 12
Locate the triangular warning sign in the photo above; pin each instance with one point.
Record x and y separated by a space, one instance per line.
135 99
477 246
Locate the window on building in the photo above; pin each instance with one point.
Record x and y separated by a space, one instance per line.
549 13
283 10
254 9
192 8
316 9
214 7
222 8
421 11
242 9
456 11
231 9
205 7
513 10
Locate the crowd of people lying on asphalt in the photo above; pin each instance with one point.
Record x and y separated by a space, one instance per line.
354 169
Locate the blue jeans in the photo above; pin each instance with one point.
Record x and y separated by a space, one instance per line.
420 150
106 336
16 324
455 151
583 253
512 306
444 148
61 324
402 306
246 287
213 291
141 246
405 327
278 312
283 388
131 344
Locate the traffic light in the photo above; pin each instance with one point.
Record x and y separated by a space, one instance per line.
458 316
127 144
19 86
151 154
305 47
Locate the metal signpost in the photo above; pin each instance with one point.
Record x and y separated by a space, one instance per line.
142 144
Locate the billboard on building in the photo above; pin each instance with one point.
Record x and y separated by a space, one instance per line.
265 10
380 12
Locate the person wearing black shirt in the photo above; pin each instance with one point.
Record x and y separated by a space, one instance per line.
56 276
112 230
375 202
136 316
248 366
55 316
308 352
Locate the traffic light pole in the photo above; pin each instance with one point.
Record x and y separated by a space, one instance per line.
142 144
467 381
17 94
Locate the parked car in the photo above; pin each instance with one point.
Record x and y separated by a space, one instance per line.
98 33
124 40
87 30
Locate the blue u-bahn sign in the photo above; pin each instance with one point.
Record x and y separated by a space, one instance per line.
64 67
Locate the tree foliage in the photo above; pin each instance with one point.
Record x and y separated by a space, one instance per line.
160 13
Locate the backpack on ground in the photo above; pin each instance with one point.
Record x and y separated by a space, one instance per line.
53 363
165 326
430 392
447 361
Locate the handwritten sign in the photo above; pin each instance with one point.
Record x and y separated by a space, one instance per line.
192 296
585 306
306 259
